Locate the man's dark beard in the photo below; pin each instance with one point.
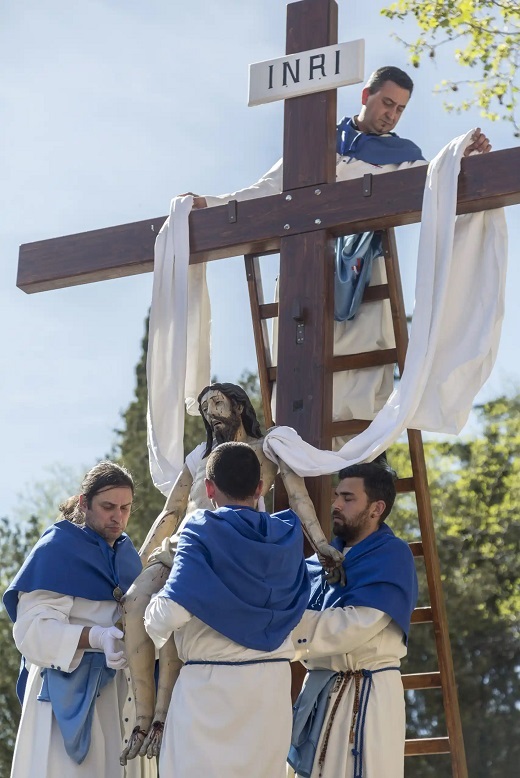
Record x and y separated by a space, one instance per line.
349 533
228 430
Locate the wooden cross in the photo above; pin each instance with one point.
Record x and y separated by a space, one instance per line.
301 224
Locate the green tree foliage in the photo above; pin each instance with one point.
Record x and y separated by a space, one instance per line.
486 34
475 490
15 543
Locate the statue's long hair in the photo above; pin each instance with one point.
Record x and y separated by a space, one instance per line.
238 397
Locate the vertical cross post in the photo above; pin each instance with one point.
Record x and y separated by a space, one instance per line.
304 378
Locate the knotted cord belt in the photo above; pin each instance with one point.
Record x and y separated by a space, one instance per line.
363 687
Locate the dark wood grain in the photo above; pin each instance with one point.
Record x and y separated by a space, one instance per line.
487 181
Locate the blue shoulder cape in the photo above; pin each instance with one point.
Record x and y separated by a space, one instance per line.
73 560
374 149
380 573
243 573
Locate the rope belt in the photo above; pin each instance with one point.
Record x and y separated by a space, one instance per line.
236 664
363 687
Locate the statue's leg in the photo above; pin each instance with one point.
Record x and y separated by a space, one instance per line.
141 652
169 669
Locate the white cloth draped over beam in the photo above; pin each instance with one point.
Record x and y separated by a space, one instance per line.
454 338
178 360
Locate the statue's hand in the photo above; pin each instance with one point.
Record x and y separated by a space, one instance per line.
332 562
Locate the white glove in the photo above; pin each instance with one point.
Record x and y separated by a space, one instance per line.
108 640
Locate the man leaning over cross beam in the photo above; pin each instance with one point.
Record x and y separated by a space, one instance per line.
365 143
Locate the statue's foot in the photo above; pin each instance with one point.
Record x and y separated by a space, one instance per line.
135 742
152 744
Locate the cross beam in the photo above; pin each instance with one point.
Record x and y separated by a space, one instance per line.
486 181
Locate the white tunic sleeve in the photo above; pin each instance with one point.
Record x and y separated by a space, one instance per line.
336 630
42 631
162 617
269 184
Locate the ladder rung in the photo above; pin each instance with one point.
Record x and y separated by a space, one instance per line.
427 745
350 427
373 294
359 361
268 310
416 548
387 356
405 485
422 680
422 615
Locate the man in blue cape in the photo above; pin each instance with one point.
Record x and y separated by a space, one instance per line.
237 588
366 143
349 720
64 603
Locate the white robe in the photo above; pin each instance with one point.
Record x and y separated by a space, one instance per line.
355 638
224 721
46 632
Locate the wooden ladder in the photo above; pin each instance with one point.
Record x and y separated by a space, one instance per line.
426 548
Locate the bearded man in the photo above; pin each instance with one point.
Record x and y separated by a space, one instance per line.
349 720
228 416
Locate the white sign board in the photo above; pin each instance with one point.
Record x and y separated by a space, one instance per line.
306 72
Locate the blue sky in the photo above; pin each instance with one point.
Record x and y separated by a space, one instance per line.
107 110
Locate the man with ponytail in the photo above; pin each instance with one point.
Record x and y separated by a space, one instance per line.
64 603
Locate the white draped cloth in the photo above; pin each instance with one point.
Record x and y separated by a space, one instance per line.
459 308
179 326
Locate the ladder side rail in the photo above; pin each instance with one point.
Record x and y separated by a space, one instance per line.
261 335
424 511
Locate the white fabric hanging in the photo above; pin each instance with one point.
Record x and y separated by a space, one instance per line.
454 337
178 362
455 333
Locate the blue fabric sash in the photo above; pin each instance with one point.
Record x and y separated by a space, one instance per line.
242 572
380 573
309 714
76 561
73 699
374 149
354 257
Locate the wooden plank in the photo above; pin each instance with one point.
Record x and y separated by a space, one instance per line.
261 336
310 24
305 339
375 293
364 359
350 427
306 403
422 681
416 548
486 181
427 745
268 310
422 616
404 485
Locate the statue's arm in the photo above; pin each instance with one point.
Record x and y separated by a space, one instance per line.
302 505
170 517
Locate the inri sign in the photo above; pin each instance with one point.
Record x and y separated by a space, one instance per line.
306 72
